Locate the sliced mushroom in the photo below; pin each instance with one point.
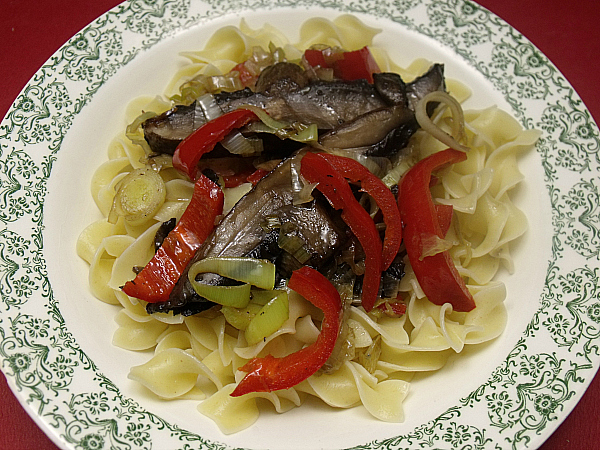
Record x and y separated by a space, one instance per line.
242 233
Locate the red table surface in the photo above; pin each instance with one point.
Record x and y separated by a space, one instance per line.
566 32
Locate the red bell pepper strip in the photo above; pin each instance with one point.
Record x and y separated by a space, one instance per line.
252 176
393 309
355 172
354 65
203 139
444 215
315 168
256 176
157 279
271 374
316 58
231 181
246 77
437 273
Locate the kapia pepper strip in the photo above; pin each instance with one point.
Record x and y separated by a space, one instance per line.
247 78
355 171
157 279
444 215
437 273
353 65
315 169
356 65
203 139
269 374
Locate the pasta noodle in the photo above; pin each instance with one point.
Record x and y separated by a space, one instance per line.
198 356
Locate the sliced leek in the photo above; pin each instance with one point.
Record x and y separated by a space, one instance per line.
236 296
257 272
138 197
134 130
433 244
295 246
236 143
269 319
240 317
260 297
250 271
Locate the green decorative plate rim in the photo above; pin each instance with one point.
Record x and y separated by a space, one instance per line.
524 398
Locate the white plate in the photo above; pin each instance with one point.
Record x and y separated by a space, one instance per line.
56 346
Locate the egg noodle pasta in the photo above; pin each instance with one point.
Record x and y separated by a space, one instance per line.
198 356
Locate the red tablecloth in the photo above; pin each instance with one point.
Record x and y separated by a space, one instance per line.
565 31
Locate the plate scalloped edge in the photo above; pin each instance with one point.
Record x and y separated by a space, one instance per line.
524 397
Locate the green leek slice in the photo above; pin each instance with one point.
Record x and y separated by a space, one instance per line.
269 319
250 271
138 197
257 272
261 297
236 296
240 317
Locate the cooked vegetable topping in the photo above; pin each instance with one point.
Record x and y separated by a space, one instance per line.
203 140
436 272
270 317
269 374
237 296
139 196
267 311
384 198
316 169
259 273
355 65
340 103
156 281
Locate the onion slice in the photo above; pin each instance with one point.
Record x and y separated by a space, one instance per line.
458 120
238 144
206 109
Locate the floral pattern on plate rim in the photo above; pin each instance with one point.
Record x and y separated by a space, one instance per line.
531 388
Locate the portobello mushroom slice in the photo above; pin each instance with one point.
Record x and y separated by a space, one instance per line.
284 92
384 131
242 232
342 110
